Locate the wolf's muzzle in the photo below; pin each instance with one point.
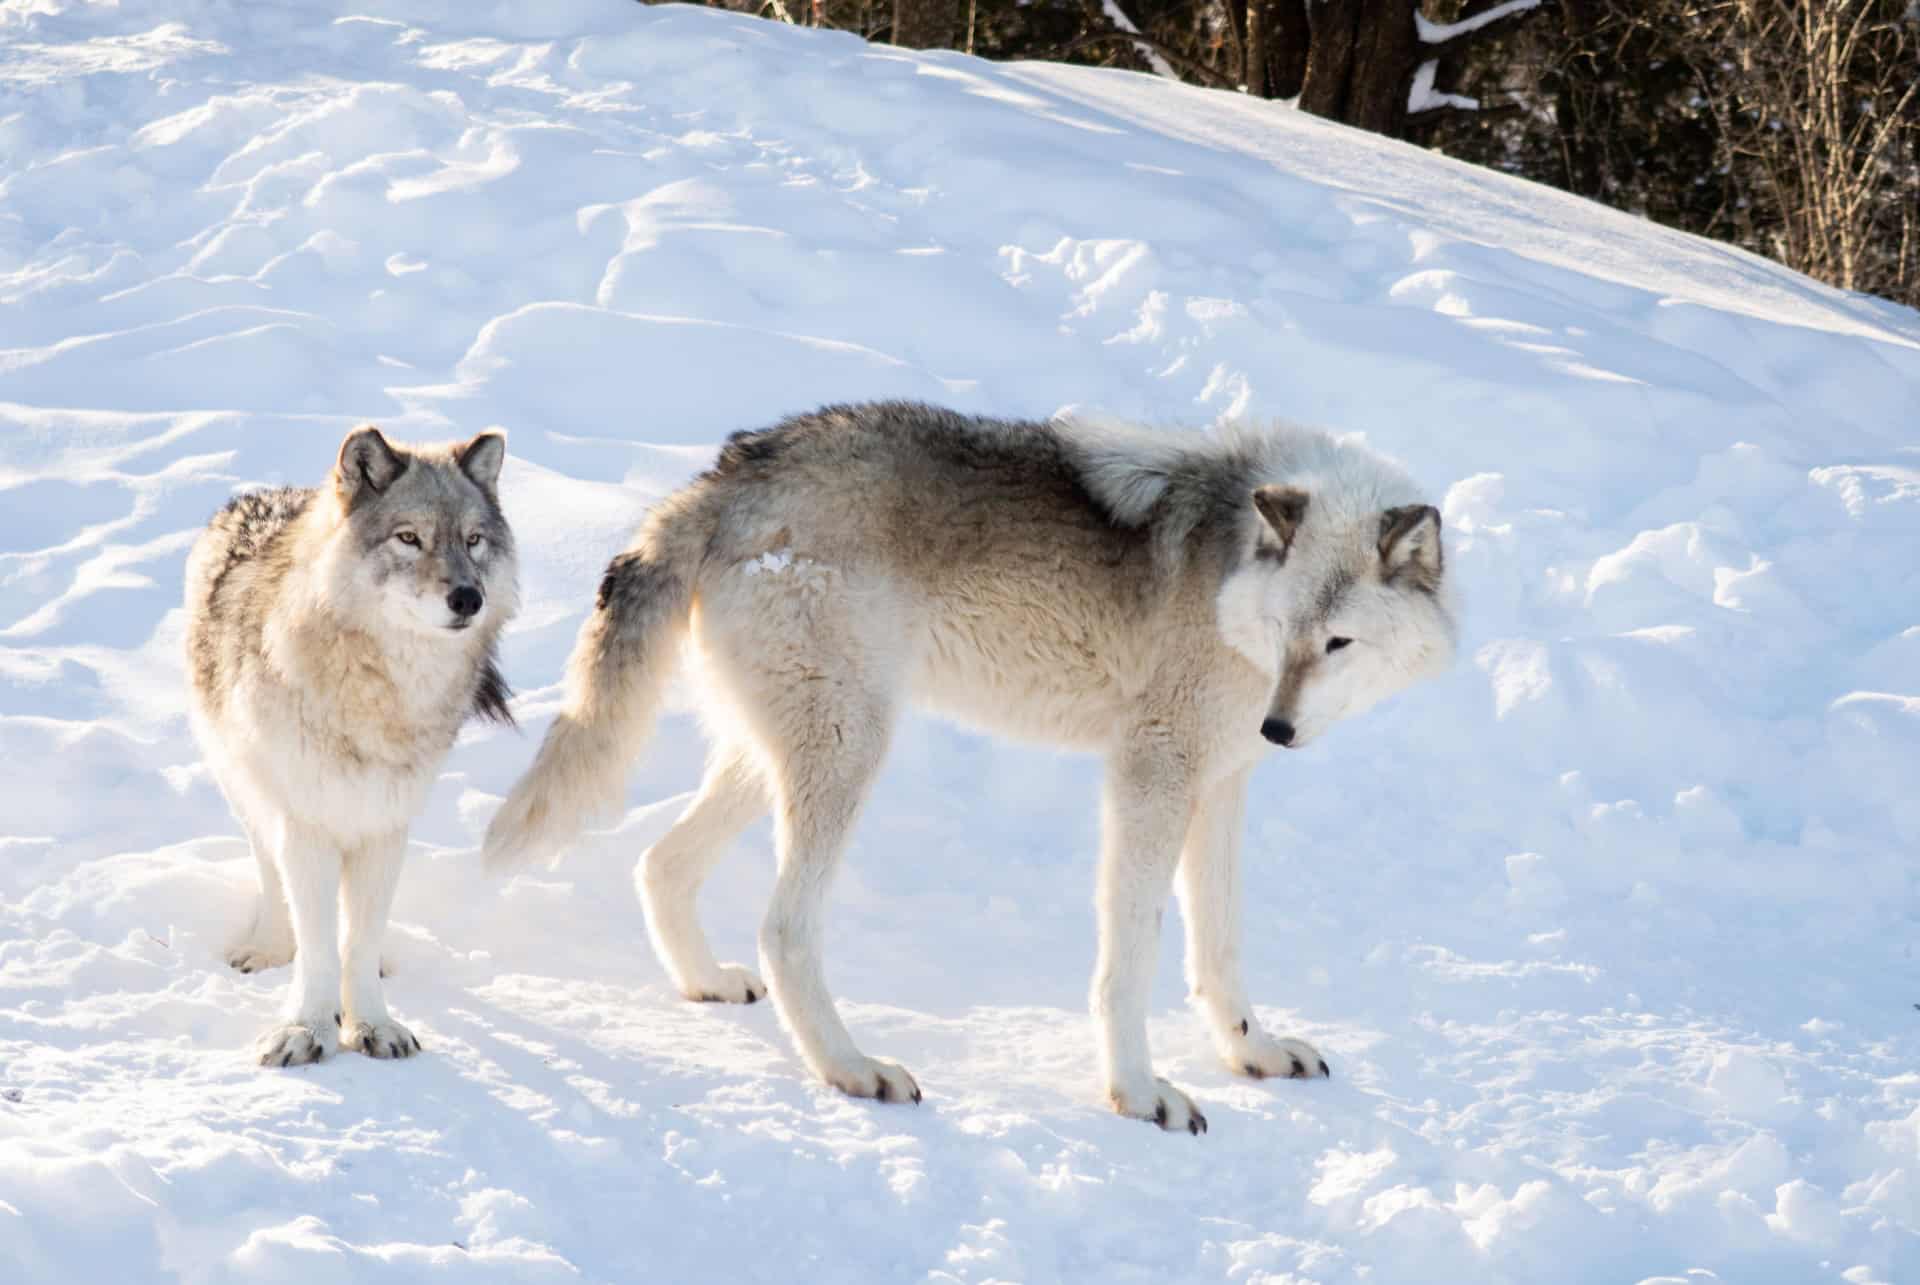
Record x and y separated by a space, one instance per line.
1277 730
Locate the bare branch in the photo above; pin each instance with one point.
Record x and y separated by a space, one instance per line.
1481 111
1179 60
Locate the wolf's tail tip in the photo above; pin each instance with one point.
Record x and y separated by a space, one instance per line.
498 859
506 848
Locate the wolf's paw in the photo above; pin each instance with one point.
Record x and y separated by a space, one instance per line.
1261 1056
256 956
297 1043
881 1081
1166 1106
729 984
384 1039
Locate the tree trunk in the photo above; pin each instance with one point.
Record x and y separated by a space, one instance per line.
923 24
1287 48
1253 53
1360 62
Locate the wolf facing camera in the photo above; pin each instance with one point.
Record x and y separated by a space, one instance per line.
337 639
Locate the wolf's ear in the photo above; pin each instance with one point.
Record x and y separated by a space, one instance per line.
481 459
1410 541
367 462
1283 507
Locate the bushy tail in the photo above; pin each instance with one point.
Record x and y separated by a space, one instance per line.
625 655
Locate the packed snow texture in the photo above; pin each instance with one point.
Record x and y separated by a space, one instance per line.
1609 934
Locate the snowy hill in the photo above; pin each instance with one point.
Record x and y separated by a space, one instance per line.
1609 933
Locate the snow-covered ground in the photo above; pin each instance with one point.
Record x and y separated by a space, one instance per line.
1609 934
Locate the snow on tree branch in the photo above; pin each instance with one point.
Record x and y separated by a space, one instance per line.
1439 33
1423 97
1118 16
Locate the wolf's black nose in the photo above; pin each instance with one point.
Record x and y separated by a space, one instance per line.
464 601
1277 730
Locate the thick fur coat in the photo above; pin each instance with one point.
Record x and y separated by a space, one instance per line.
1175 602
337 639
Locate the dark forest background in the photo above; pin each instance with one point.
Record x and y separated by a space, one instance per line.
1788 127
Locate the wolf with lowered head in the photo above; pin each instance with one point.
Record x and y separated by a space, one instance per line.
1179 603
337 639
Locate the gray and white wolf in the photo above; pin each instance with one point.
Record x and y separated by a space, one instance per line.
1176 602
337 638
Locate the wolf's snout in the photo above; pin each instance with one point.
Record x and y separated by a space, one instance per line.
1277 730
464 602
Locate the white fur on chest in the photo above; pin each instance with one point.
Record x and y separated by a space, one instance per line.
344 734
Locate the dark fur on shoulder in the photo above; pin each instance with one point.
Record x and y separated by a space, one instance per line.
246 530
251 521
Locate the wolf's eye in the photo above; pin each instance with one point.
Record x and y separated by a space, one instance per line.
1335 644
407 538
475 540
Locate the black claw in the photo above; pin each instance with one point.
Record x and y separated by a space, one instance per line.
286 1057
880 1089
1254 1071
753 996
1160 1113
916 1095
1243 1026
1326 1070
1197 1125
1299 1069
337 1019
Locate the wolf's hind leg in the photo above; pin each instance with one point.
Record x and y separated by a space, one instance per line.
369 877
268 941
1210 905
829 761
670 874
810 661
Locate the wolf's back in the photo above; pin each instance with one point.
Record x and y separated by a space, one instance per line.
232 573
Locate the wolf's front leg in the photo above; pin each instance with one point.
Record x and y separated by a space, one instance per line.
1144 814
370 875
1210 905
309 865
